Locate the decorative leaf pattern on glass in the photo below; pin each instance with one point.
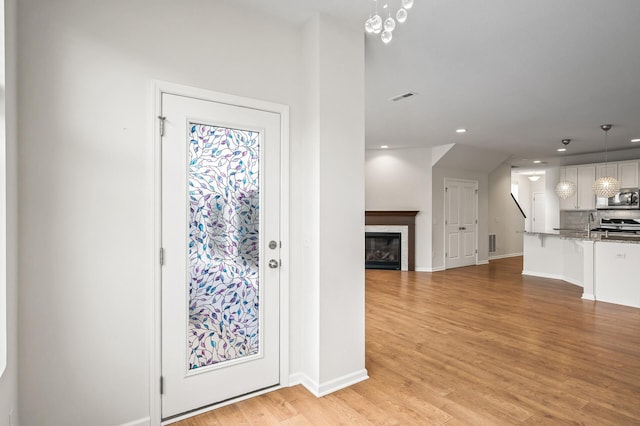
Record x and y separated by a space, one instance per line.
223 244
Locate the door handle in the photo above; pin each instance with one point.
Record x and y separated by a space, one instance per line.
273 264
461 228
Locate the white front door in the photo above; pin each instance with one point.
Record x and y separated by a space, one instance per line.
460 223
221 243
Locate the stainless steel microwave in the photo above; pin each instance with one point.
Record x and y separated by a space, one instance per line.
627 198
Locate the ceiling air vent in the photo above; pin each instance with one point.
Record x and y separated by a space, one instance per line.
402 96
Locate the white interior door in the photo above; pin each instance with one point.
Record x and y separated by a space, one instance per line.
538 212
220 239
460 223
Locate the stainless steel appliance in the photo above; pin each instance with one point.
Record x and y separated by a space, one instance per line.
627 198
619 228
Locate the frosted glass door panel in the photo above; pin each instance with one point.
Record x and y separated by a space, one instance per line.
224 287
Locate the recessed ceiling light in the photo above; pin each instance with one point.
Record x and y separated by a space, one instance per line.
537 162
635 140
384 146
562 149
461 130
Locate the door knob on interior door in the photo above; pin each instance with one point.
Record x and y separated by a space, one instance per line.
462 228
273 264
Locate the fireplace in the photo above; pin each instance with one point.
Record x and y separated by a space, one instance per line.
396 221
383 250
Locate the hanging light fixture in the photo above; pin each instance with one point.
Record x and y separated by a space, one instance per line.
606 186
534 178
375 24
565 188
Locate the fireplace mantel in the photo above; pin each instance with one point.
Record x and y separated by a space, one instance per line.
396 217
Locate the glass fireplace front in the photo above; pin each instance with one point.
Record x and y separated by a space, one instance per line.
382 250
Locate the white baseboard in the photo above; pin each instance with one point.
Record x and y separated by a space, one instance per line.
572 281
298 379
504 256
482 262
588 296
542 275
320 390
425 269
553 277
142 422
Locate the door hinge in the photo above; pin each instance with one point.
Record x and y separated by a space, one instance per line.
476 251
476 191
161 256
446 189
476 221
162 119
161 385
446 254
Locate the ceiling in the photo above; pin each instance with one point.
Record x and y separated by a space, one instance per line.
520 76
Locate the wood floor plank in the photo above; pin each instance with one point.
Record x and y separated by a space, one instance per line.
481 345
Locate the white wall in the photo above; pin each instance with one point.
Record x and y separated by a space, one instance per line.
524 198
439 174
505 221
333 221
552 201
341 200
85 169
400 179
9 249
305 324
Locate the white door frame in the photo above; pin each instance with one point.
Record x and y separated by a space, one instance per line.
158 88
444 208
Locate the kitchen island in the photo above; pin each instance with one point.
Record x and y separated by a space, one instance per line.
606 269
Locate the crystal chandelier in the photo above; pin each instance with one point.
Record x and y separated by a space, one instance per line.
606 186
375 24
565 188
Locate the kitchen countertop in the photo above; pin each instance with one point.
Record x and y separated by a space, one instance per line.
575 234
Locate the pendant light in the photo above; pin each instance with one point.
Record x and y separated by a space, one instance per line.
606 186
376 25
565 188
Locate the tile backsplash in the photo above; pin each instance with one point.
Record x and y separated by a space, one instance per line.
579 219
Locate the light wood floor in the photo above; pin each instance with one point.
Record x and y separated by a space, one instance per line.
474 346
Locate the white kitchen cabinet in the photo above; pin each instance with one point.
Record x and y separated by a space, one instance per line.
616 276
583 177
607 169
628 174
586 196
569 174
625 171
